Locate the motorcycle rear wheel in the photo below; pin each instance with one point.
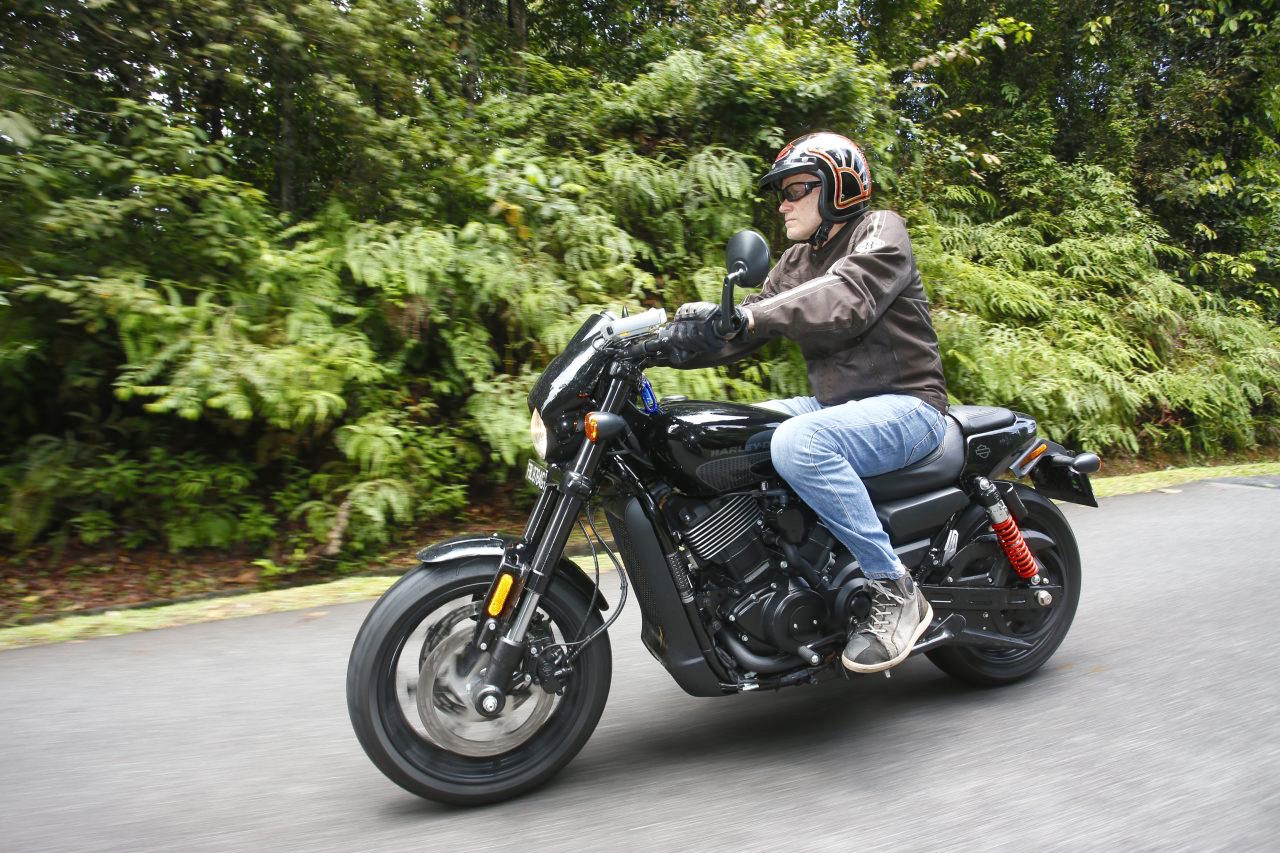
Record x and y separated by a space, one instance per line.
458 768
1061 566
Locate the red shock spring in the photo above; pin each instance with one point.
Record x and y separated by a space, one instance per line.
1015 548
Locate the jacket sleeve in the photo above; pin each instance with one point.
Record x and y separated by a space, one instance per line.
854 293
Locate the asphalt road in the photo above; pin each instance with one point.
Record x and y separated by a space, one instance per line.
1154 727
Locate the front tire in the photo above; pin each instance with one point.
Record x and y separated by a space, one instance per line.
406 745
1061 565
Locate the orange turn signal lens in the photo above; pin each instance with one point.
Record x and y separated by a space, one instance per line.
589 427
500 593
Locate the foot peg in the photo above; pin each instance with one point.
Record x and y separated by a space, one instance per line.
943 632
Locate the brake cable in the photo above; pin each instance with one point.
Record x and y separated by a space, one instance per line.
575 647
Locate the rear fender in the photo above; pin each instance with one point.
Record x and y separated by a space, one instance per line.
491 548
1060 473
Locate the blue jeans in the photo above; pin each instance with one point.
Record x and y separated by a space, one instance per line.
823 454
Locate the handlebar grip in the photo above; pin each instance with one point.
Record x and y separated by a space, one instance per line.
653 346
641 322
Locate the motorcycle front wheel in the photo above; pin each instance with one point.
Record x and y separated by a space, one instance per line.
409 698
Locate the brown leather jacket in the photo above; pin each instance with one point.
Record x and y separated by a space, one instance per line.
858 311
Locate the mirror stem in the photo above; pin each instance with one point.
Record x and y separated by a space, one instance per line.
724 323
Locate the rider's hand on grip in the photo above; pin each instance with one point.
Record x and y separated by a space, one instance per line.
697 328
663 351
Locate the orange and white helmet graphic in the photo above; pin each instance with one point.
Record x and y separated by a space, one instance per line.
839 164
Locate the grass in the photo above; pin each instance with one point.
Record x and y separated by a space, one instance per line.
115 622
112 623
1107 487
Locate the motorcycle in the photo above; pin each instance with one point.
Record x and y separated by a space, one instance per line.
484 670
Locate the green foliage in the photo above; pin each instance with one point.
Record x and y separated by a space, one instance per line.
184 500
281 275
1067 314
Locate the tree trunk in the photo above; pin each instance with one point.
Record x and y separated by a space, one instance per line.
211 108
286 143
518 21
466 56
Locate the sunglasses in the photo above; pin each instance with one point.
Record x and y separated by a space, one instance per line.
798 190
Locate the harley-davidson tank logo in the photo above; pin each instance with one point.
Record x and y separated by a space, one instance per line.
982 451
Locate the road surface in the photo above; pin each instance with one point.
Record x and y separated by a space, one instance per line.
1155 726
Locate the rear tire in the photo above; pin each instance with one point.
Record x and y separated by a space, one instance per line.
1061 563
397 743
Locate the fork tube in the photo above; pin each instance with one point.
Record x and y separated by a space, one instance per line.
539 515
572 492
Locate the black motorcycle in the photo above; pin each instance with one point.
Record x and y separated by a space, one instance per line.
484 670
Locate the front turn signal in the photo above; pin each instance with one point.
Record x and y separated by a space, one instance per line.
602 425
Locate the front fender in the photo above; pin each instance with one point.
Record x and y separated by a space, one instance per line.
466 548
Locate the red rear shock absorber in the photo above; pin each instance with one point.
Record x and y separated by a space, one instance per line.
1007 532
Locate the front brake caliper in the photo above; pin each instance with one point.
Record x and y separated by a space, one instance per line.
547 664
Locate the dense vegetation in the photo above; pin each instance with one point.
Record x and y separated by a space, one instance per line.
280 272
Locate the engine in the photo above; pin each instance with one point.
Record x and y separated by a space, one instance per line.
769 571
726 533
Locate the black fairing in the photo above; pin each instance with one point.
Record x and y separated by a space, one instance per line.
708 448
572 373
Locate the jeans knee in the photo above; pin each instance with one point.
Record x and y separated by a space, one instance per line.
795 445
782 449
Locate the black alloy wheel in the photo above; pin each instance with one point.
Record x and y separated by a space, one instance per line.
409 701
1044 628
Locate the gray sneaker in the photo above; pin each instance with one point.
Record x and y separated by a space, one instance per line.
899 615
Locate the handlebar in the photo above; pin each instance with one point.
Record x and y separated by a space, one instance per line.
644 349
639 323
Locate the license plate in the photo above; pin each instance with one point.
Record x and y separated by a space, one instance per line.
536 474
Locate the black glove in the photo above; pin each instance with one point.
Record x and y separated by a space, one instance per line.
696 327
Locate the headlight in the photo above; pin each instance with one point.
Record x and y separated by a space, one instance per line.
538 431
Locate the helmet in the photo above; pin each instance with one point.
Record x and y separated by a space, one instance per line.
838 162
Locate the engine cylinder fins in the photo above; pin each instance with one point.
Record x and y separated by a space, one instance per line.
716 534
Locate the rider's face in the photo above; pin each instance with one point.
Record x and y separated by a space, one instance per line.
801 217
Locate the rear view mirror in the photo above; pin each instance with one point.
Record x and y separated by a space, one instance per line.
747 257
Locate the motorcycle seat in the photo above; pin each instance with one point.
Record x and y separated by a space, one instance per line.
976 419
939 469
942 467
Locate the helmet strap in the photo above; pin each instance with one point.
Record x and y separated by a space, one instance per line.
820 236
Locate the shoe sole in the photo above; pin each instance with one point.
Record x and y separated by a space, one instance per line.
925 622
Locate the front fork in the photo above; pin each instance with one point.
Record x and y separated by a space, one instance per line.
549 527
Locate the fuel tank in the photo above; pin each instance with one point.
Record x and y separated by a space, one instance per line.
707 448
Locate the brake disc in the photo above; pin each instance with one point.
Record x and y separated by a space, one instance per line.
449 716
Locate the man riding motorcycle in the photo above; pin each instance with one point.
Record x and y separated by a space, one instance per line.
848 292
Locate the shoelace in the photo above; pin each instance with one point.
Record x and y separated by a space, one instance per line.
884 596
